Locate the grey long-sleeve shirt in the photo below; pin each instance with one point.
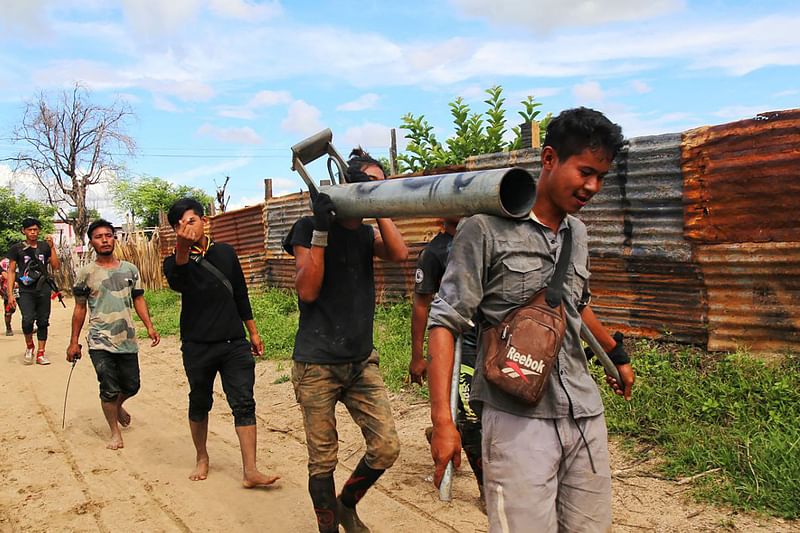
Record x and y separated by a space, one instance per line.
496 265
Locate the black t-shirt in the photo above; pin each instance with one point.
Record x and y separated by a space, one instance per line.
22 254
431 264
209 313
337 326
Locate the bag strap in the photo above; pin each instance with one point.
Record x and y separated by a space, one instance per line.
214 270
555 288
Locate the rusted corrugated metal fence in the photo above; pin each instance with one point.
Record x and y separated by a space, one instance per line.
694 237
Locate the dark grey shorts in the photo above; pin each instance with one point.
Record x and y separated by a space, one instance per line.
118 373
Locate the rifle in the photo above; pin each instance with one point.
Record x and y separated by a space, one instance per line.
54 287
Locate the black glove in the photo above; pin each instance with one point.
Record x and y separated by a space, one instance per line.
323 212
618 355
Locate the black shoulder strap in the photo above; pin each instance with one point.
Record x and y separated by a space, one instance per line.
555 288
214 270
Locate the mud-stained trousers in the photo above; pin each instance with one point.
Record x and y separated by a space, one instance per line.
538 473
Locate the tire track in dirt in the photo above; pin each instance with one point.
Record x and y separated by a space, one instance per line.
73 465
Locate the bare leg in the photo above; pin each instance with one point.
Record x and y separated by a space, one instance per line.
8 323
199 437
111 413
251 477
41 344
124 418
29 339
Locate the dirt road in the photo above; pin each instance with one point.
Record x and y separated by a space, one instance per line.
66 480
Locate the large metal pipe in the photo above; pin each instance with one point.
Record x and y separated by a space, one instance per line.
507 192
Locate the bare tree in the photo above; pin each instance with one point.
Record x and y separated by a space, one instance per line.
71 144
222 200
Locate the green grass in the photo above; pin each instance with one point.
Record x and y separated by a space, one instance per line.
702 411
732 412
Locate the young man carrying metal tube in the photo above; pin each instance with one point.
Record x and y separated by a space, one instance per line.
334 356
546 465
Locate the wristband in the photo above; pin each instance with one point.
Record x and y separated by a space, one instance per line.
618 355
319 238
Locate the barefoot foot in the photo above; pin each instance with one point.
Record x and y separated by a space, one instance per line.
115 443
124 417
257 479
200 471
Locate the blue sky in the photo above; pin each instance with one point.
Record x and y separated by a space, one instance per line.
225 87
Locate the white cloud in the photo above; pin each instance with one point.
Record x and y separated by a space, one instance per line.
128 97
788 92
24 17
260 100
635 124
187 90
739 112
640 87
269 98
588 92
284 186
371 136
163 104
537 92
246 11
544 15
362 103
244 201
302 118
218 169
204 55
156 18
244 135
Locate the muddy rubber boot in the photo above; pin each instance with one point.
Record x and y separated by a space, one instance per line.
349 520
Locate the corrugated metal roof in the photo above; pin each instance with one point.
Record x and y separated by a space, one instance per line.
753 295
743 180
244 230
652 199
281 213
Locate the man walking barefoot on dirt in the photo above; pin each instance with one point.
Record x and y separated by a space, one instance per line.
28 262
110 288
546 465
334 356
214 304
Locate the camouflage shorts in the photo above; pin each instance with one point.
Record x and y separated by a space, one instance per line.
360 387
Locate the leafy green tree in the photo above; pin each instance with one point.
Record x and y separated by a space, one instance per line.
13 209
475 133
145 197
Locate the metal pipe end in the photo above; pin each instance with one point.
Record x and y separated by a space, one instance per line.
517 192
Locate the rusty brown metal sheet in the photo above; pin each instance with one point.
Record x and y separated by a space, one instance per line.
650 298
244 230
280 214
742 180
753 295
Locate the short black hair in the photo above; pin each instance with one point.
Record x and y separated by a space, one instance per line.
180 207
359 160
575 130
99 223
30 221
